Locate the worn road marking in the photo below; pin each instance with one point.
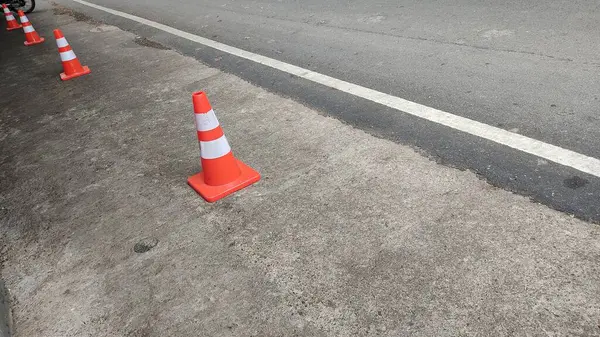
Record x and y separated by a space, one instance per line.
532 146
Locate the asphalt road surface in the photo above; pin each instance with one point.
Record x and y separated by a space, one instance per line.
532 68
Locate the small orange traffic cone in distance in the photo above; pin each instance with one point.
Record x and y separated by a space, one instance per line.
222 174
11 23
70 63
31 36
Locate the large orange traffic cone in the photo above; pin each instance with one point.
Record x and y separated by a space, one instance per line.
222 174
70 62
31 36
11 23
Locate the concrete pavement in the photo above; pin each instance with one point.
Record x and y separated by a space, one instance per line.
346 234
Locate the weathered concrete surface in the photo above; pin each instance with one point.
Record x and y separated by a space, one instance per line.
5 315
345 235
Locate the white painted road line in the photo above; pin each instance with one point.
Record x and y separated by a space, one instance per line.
532 146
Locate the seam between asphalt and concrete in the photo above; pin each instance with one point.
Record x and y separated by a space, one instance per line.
522 143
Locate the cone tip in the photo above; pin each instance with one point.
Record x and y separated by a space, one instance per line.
58 34
20 12
201 103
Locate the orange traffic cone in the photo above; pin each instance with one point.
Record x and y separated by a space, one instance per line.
31 36
70 62
222 174
11 23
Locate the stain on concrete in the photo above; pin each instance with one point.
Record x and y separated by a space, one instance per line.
495 33
142 41
372 19
61 10
104 28
145 245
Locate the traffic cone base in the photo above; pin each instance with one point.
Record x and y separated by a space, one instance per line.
34 42
13 28
213 193
66 77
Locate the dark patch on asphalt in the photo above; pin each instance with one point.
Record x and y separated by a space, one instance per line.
142 41
575 182
79 16
145 245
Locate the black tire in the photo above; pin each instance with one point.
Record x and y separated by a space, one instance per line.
26 6
32 7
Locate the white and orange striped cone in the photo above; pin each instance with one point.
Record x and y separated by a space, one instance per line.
70 63
222 174
31 36
11 23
